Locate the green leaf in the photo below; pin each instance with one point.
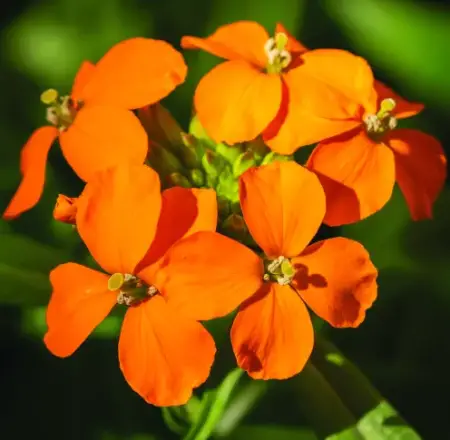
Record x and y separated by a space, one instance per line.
381 423
212 407
34 323
376 418
240 405
269 432
25 265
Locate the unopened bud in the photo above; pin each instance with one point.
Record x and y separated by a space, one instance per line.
209 163
197 177
177 179
188 151
65 209
258 148
161 126
163 160
234 226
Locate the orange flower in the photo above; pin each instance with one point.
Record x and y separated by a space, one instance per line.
272 335
95 126
358 169
277 88
128 225
65 209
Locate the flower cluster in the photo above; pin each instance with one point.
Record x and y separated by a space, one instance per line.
189 227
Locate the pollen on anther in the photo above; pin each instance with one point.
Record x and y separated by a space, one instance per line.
49 96
152 290
387 105
115 281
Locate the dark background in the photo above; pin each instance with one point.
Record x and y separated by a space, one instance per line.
403 346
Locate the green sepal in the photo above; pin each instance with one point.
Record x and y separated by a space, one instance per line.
273 157
243 162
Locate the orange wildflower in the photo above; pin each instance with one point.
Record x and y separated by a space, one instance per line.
65 209
358 169
283 205
94 124
277 88
128 226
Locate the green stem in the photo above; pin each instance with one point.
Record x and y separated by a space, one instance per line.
240 406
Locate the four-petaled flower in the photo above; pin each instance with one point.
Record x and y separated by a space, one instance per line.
358 169
128 226
272 335
277 88
95 126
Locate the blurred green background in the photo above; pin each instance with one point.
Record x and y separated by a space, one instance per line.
403 346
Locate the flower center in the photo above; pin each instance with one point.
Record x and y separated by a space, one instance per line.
383 122
61 110
278 58
131 290
279 270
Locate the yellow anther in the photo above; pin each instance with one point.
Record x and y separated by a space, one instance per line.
49 96
386 107
116 281
281 41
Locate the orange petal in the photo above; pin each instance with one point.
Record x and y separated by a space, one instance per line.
183 212
364 175
235 102
207 275
272 335
162 354
337 280
403 108
294 47
421 169
101 137
117 216
65 209
82 77
283 205
314 111
242 40
80 301
349 75
33 159
135 73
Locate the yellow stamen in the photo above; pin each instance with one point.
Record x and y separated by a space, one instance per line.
386 106
116 281
49 96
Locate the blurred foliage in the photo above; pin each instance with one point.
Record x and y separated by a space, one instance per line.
402 346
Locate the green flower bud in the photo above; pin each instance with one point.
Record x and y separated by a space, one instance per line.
177 179
197 177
